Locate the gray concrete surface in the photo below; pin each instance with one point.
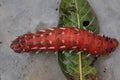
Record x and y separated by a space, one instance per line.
108 12
21 16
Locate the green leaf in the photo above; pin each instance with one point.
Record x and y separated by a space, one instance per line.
75 64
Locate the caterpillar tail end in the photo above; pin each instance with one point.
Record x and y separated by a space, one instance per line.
16 47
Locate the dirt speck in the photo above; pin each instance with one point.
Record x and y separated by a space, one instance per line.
56 9
0 5
104 70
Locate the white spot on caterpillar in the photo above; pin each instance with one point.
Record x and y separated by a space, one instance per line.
34 48
95 51
76 29
76 42
25 36
42 30
90 31
42 48
62 28
85 49
62 46
63 41
25 41
50 33
33 32
63 32
74 47
33 37
51 48
23 50
28 47
51 29
41 35
41 42
50 42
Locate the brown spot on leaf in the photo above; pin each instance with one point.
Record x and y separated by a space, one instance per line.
90 76
72 9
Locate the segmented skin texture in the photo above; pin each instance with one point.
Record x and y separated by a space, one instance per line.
64 38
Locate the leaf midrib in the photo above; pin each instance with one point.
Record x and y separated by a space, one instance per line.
78 22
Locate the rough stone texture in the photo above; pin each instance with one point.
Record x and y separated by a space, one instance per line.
21 16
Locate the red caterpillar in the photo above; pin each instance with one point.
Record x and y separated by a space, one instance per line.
64 38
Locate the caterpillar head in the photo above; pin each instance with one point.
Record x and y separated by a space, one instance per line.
114 43
17 45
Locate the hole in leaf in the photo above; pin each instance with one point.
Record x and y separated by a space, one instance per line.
86 23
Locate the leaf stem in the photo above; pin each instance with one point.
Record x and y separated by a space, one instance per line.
78 21
80 65
78 17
